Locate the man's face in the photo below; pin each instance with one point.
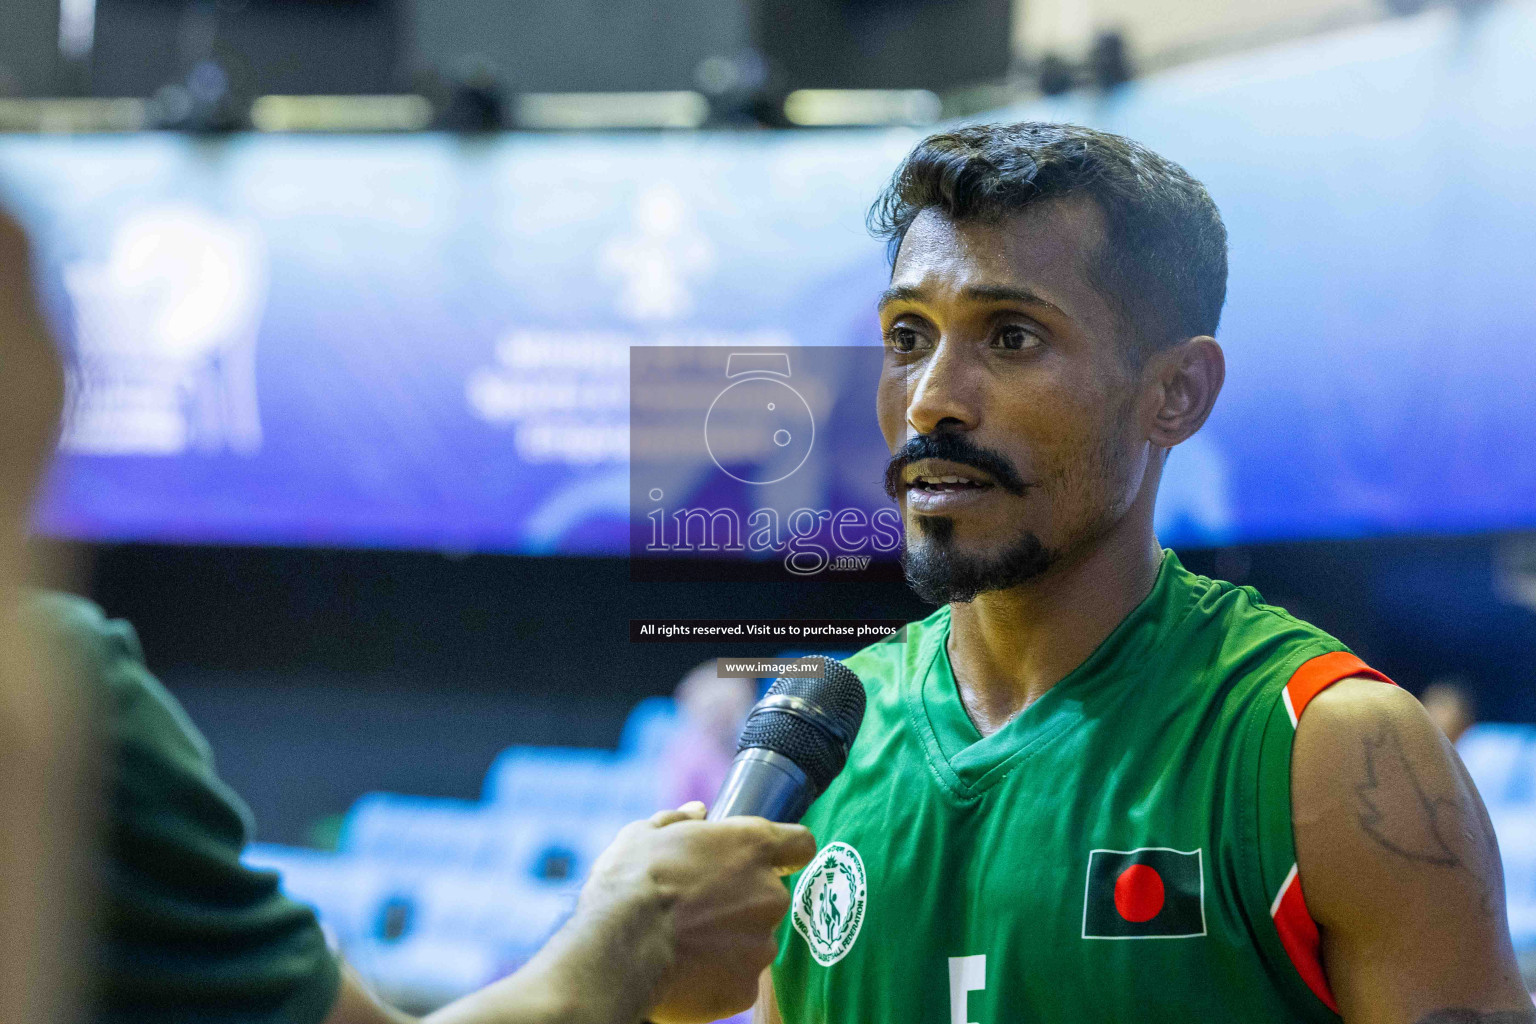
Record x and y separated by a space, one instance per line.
1004 373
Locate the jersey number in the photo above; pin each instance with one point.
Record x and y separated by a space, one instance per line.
967 974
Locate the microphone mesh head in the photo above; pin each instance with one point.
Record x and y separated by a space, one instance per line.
819 751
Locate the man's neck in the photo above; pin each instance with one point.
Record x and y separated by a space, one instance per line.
1008 647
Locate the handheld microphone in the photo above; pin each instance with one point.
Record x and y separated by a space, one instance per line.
795 742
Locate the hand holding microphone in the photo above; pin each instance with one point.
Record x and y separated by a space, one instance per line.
677 920
795 741
713 893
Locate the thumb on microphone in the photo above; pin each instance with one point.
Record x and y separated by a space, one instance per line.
789 847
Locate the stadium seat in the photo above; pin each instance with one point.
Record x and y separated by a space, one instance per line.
427 970
432 897
574 781
1516 830
391 827
648 728
345 891
1501 759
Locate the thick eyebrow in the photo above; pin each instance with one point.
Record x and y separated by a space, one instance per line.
978 293
903 293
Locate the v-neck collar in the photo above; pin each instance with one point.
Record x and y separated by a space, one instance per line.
968 763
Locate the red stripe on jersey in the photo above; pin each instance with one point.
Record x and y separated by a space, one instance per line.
1298 934
1321 672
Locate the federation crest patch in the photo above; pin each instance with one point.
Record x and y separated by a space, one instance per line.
829 900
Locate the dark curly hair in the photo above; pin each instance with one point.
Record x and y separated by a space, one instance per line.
1164 261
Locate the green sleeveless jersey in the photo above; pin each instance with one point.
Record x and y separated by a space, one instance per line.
1121 851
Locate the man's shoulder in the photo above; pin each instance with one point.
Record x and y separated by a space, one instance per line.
1240 637
79 627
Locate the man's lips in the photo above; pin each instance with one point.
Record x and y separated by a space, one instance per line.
943 475
948 462
937 486
933 501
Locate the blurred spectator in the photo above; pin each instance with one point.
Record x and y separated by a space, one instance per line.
1450 705
711 711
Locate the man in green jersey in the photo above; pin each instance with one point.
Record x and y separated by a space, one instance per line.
1085 788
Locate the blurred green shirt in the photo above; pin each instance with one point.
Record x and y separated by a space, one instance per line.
186 931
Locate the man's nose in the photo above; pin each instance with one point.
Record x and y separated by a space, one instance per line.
942 396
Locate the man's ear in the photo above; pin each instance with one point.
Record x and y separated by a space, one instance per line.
1181 384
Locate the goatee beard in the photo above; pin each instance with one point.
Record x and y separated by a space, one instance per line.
939 574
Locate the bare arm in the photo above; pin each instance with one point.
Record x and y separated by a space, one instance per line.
1399 865
592 972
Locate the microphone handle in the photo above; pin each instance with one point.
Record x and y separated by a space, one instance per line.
766 784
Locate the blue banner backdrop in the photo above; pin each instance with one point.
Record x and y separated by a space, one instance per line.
423 341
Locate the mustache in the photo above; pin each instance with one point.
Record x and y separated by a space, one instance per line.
952 447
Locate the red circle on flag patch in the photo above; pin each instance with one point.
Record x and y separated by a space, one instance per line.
1139 893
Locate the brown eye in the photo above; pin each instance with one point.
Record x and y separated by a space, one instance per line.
1016 339
902 339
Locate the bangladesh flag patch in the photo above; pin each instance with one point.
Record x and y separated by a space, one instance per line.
1150 893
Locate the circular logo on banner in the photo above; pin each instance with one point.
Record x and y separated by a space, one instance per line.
829 901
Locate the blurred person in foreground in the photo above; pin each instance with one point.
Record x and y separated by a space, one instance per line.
675 923
698 755
42 832
1094 786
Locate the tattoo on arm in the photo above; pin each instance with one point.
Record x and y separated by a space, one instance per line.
1400 816
1475 1017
